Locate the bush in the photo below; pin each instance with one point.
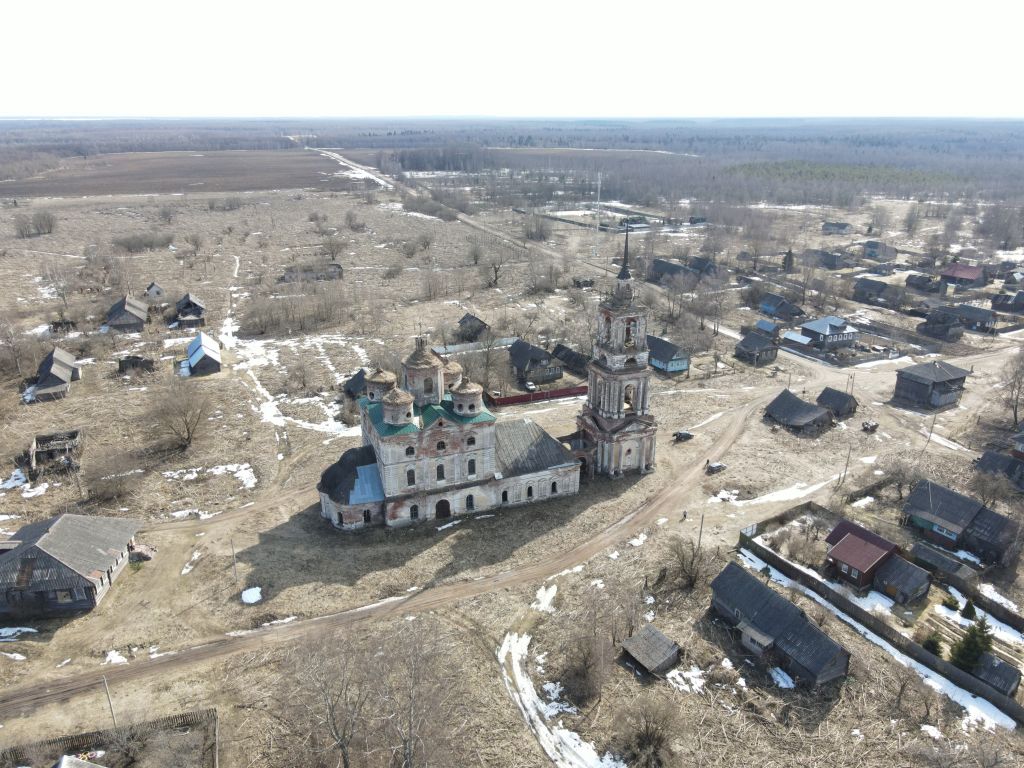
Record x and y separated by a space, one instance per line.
968 611
428 207
950 602
41 223
143 241
352 222
537 228
933 644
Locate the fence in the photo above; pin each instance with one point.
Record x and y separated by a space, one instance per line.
83 742
540 395
903 644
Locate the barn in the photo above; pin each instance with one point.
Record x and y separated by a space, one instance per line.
803 418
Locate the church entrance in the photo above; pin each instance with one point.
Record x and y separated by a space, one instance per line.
443 509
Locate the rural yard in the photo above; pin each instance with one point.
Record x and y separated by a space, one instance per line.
310 264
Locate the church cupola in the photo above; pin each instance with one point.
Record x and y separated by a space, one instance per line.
467 398
423 374
379 383
398 408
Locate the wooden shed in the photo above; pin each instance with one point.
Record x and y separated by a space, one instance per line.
652 650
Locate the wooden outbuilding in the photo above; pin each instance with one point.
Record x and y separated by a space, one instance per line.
652 650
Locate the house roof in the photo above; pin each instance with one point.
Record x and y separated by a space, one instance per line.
859 553
870 285
1002 676
202 346
767 326
524 355
469 320
653 650
902 574
992 528
663 349
1002 463
58 363
845 527
939 504
939 561
791 411
662 268
935 372
134 307
770 613
960 271
356 383
522 447
796 337
755 342
836 401
827 326
84 544
69 761
339 480
570 357
970 312
189 299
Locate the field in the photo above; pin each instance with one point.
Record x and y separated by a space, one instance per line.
237 509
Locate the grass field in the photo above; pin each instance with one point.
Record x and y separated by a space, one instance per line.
141 173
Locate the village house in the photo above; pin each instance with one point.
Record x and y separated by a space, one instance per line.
937 384
757 349
191 312
835 228
972 318
923 283
951 519
202 356
153 292
775 630
652 650
64 565
55 452
884 268
840 404
666 356
571 360
531 363
53 379
471 328
962 276
431 450
937 562
876 250
830 260
829 332
701 266
800 417
662 270
1001 675
941 325
1012 304
1009 464
128 315
777 306
355 385
879 293
865 560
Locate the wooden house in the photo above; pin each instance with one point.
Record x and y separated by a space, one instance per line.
923 283
666 356
855 553
662 270
471 328
941 325
202 356
840 404
1001 675
191 312
531 363
1009 464
153 292
777 306
876 250
962 276
803 418
937 384
64 565
972 318
1006 303
128 315
869 291
829 332
53 379
756 349
775 630
570 359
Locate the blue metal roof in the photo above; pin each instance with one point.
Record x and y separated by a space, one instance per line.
368 487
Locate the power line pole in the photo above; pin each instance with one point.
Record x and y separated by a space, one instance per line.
700 532
109 702
234 562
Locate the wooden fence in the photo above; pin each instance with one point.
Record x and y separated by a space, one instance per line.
84 742
539 396
904 645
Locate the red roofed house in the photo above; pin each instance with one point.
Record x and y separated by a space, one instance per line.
856 553
964 275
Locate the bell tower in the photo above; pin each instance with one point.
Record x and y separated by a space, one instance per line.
616 419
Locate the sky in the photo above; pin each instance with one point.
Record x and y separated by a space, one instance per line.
521 58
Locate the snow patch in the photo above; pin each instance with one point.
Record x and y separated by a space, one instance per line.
10 634
638 541
781 678
545 596
687 681
115 657
252 595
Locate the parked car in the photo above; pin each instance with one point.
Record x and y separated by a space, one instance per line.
682 436
869 426
714 467
530 386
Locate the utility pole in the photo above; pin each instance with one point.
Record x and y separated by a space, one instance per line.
234 563
700 532
109 702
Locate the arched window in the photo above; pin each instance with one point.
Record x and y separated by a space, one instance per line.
408 414
410 451
471 469
472 407
529 491
440 471
366 516
428 386
410 477
471 441
458 407
414 512
554 488
504 497
440 445
469 503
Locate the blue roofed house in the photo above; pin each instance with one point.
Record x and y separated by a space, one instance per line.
829 332
202 356
431 452
774 305
666 356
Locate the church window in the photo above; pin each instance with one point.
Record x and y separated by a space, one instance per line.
428 386
458 407
607 328
529 491
471 441
472 467
440 471
410 477
414 512
440 445
504 497
554 488
469 503
410 451
472 407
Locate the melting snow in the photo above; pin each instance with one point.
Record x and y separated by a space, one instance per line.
16 480
191 564
687 681
991 593
10 634
114 657
545 596
781 678
252 595
31 492
638 541
863 502
932 731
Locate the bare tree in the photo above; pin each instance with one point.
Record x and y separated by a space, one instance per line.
1012 391
902 471
23 226
194 242
912 220
992 487
690 565
645 730
180 411
879 219
333 247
